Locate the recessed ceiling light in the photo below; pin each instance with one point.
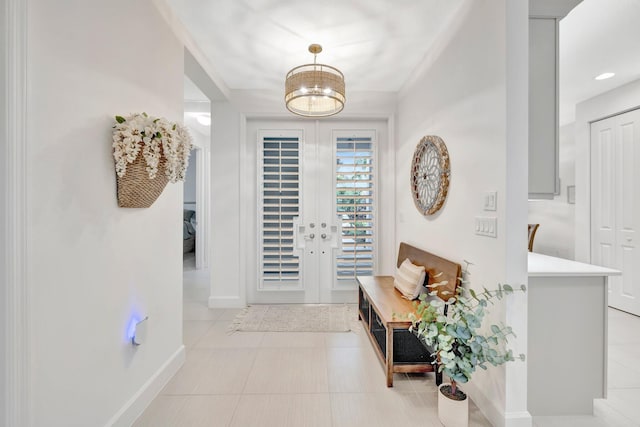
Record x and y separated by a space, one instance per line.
605 76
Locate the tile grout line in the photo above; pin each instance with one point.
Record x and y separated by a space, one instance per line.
326 357
246 380
235 410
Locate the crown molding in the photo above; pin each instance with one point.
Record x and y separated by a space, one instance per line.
17 321
557 9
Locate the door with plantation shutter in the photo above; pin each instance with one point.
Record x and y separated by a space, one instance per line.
279 209
354 206
316 213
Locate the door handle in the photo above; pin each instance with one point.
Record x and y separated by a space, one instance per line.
299 231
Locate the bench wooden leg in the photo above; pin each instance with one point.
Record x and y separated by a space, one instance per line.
389 357
438 376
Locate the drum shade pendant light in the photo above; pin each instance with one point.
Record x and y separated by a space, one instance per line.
314 90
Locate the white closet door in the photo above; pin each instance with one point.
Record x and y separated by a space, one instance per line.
615 208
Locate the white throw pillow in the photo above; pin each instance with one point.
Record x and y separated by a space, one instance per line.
409 279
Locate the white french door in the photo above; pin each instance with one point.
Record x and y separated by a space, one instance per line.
316 213
615 205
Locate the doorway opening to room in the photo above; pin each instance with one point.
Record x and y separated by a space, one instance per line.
316 208
196 200
189 215
197 117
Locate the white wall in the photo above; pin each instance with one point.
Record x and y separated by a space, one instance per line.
618 100
227 285
3 204
461 95
556 234
92 265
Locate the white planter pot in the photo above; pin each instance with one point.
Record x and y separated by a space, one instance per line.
452 413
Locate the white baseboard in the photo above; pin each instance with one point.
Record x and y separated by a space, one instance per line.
226 302
486 405
492 413
139 401
518 419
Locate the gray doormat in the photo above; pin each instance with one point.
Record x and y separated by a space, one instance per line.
296 318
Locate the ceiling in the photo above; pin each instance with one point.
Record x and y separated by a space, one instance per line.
253 43
597 36
192 93
377 44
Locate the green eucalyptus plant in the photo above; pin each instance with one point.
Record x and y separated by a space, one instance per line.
457 341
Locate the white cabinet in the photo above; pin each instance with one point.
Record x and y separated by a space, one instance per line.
561 329
543 108
544 18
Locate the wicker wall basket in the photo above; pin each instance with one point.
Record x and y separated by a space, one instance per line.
135 189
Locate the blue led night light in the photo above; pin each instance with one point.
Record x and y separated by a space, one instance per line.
131 327
137 330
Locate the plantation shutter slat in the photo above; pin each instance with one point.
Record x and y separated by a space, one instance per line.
355 206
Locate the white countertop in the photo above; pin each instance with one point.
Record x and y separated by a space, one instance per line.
548 266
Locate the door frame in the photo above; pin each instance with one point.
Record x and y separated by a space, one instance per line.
16 300
387 244
203 202
202 151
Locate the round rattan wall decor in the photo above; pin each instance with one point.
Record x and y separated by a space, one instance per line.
430 174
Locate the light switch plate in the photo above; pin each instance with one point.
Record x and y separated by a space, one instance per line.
486 226
490 200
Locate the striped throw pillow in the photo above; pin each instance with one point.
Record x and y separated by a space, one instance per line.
409 279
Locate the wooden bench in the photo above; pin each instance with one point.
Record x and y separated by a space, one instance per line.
384 313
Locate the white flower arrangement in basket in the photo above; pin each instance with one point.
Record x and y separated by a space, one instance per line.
156 137
142 146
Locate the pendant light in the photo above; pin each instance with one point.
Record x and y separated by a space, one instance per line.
315 90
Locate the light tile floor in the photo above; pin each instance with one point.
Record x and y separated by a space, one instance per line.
248 379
